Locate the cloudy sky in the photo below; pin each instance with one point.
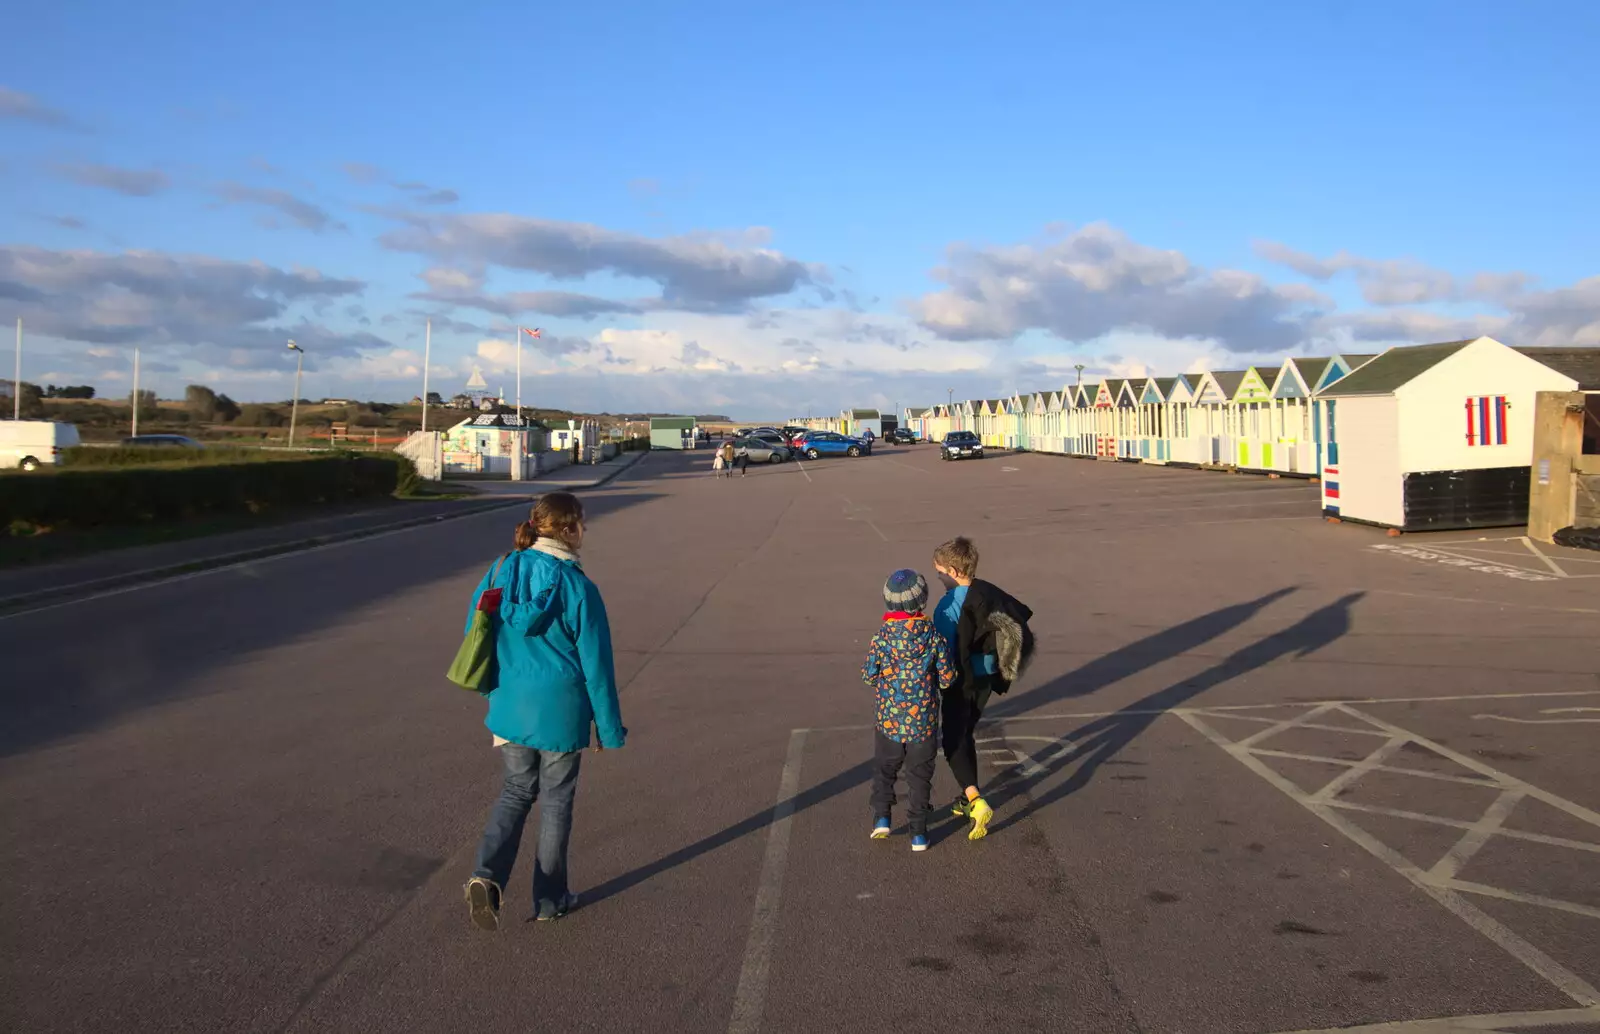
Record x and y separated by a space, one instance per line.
769 210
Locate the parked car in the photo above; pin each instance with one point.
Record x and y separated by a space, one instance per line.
959 445
30 444
174 440
761 450
902 436
817 444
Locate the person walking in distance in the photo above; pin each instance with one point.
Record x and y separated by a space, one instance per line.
552 681
727 459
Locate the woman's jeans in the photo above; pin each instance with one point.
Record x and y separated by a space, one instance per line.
531 773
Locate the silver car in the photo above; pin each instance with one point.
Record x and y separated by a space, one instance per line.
760 450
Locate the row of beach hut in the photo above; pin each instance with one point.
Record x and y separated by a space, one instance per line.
1420 436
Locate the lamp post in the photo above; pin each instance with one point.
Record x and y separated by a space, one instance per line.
16 384
1079 368
294 406
135 431
427 355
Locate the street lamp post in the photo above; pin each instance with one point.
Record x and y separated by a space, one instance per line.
1079 368
16 384
294 406
427 355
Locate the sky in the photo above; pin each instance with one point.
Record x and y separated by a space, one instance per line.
775 210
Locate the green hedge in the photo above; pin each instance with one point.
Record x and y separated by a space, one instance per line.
172 456
77 498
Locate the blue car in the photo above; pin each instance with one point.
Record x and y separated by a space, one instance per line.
829 443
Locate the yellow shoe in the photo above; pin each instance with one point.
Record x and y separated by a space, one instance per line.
980 813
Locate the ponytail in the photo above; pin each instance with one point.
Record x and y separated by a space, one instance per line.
525 536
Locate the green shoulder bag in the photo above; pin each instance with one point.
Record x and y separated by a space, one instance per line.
476 656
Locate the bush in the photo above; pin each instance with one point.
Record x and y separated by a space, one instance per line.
74 499
172 456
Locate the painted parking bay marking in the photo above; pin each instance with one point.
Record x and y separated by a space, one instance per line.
1441 881
1468 563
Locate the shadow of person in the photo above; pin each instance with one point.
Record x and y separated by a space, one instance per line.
1095 675
1088 747
1136 656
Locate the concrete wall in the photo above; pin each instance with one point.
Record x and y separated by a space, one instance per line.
1564 490
1433 423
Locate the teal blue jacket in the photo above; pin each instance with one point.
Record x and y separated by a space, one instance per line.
553 675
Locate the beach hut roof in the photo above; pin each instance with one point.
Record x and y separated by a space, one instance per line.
1581 364
1394 368
1228 381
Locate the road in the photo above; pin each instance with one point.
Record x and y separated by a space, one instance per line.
1267 774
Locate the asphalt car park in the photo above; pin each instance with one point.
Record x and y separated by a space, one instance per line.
1262 777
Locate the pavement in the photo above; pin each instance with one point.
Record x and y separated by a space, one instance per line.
1267 774
113 569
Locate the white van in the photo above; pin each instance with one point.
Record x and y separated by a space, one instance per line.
30 444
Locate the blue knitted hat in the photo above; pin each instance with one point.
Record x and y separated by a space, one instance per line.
906 590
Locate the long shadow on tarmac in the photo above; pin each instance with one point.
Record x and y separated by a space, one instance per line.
74 669
1315 630
1092 745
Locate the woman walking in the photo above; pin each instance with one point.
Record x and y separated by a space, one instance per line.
553 678
727 453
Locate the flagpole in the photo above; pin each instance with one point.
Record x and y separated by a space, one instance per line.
427 351
135 393
519 372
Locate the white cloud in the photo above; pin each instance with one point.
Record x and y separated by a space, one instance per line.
1095 280
1397 281
695 271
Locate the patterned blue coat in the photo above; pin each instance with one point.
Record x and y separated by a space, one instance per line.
908 664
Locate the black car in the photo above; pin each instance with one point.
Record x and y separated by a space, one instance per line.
959 445
902 436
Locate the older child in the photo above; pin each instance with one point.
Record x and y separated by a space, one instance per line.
987 632
907 666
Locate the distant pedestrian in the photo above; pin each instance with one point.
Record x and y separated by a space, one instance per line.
727 452
742 459
988 634
908 665
716 463
553 678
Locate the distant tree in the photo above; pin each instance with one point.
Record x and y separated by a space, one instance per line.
200 401
435 399
149 409
254 414
32 402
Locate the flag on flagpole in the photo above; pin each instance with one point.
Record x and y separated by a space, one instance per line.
535 332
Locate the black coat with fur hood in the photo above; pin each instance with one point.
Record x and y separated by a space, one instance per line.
992 621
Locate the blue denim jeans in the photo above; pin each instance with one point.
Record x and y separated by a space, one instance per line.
531 774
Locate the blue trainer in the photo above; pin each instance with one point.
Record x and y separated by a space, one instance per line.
880 827
919 841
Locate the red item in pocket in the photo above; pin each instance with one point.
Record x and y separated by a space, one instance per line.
489 602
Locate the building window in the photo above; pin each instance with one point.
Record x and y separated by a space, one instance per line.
1486 420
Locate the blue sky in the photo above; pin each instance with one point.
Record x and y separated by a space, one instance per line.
763 209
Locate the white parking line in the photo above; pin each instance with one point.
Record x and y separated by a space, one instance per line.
1439 882
750 997
1461 1024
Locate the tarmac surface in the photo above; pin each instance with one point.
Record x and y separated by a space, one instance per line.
1267 774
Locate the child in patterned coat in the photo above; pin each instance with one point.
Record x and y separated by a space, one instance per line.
908 666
